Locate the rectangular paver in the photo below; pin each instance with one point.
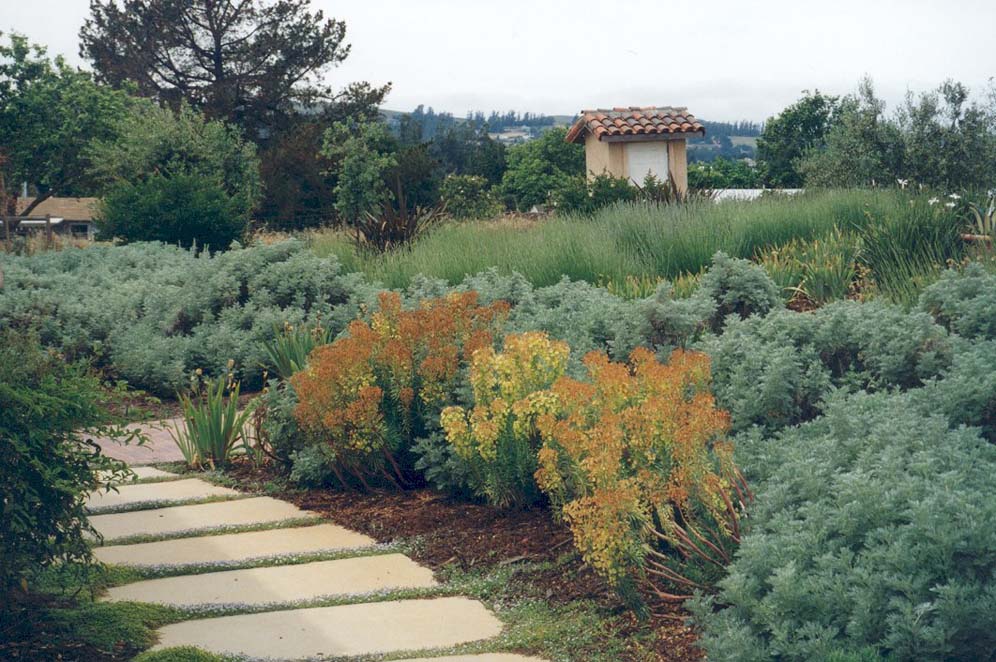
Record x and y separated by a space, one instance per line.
189 489
283 584
234 547
200 517
379 627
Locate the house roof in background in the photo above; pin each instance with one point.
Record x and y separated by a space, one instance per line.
634 121
71 209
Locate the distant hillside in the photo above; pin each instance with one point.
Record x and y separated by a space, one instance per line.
731 140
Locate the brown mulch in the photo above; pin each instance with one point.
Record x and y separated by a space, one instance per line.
477 535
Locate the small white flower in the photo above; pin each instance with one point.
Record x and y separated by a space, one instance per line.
903 183
933 201
949 205
955 196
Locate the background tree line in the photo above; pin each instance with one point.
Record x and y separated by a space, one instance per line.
241 88
940 139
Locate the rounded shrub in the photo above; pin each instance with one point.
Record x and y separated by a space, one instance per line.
183 209
468 197
873 536
964 301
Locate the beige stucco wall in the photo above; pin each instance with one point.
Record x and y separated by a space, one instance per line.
677 156
605 157
602 157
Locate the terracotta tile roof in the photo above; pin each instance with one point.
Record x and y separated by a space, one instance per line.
71 209
634 120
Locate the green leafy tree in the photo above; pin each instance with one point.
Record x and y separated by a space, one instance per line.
365 153
245 62
299 179
217 175
539 167
49 113
468 196
798 129
722 173
862 148
465 150
948 142
576 195
299 184
262 65
939 139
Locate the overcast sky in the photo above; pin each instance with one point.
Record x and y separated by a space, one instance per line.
724 59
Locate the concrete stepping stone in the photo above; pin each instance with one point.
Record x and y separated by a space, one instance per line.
483 657
196 518
190 489
234 547
283 584
360 629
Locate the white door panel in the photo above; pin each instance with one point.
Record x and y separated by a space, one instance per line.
648 157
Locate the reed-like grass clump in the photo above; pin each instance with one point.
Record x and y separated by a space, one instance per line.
625 240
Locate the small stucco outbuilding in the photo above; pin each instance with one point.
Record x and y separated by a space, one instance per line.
64 216
632 142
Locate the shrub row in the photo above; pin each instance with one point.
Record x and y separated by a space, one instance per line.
154 314
872 538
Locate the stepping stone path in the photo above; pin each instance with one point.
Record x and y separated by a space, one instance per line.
174 491
194 540
177 520
234 547
280 584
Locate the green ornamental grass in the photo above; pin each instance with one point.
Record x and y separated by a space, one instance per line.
624 240
212 427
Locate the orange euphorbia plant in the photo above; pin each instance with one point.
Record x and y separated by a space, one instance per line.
370 392
636 462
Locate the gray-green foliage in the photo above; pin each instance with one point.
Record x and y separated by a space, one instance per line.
731 288
776 370
965 392
873 535
662 322
281 432
153 313
738 287
311 465
964 302
583 315
443 469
